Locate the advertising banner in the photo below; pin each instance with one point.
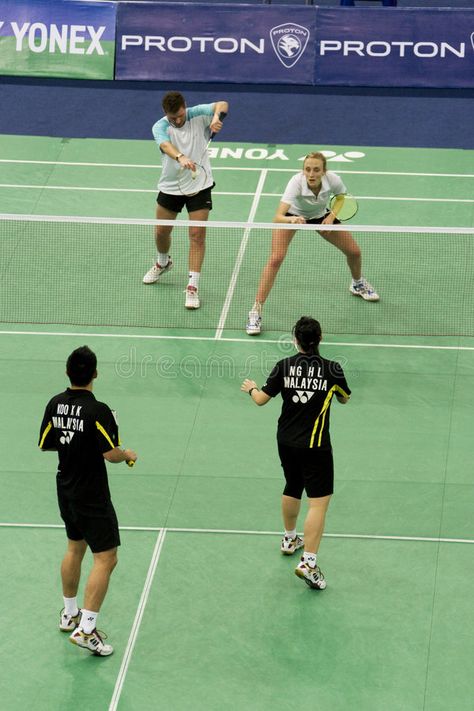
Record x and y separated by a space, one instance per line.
410 47
215 43
57 38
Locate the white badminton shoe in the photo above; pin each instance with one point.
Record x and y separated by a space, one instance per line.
364 289
312 576
68 623
156 272
192 298
291 545
93 642
254 323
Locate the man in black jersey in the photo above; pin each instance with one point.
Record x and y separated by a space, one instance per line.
307 383
84 432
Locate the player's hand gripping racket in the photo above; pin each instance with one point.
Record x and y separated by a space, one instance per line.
344 207
191 182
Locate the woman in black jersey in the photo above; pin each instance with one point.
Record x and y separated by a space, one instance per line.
307 383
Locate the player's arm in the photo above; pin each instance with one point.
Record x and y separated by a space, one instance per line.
282 217
342 399
258 396
221 109
118 455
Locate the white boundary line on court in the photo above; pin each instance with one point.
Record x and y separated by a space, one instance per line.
240 256
238 532
217 192
138 619
156 337
234 168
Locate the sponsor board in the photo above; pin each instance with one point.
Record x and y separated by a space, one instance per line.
232 43
57 38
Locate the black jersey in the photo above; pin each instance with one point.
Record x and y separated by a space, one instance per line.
307 384
81 429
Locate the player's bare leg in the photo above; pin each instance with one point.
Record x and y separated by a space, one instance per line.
345 242
197 251
280 242
163 262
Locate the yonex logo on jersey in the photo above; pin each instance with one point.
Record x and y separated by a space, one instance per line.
303 396
67 437
289 42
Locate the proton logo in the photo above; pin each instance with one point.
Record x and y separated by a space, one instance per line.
67 437
289 42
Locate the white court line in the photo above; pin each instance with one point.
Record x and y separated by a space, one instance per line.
216 192
238 532
248 340
137 621
235 168
240 256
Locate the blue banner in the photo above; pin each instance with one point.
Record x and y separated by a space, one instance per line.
215 43
57 38
410 47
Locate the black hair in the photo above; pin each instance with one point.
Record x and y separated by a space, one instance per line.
307 332
81 366
172 102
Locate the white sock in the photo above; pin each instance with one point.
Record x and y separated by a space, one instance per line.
194 279
358 282
310 559
257 307
290 534
70 606
162 259
88 621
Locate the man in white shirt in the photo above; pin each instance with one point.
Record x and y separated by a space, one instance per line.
182 136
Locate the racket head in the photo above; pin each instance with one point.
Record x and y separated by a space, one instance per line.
345 207
192 182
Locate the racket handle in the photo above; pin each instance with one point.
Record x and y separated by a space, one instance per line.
130 463
222 115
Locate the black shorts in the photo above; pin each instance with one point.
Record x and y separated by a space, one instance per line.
175 203
310 470
315 220
97 525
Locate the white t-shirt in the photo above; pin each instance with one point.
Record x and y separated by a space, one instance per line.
303 201
190 139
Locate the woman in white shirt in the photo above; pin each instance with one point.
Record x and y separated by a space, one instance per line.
305 201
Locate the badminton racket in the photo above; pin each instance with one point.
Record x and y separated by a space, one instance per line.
344 207
191 182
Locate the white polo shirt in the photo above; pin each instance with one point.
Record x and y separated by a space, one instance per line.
190 139
303 201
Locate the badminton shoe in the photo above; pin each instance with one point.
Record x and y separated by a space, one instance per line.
156 272
93 642
192 298
254 323
68 623
364 289
291 545
312 576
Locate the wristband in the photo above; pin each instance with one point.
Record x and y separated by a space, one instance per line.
179 156
251 391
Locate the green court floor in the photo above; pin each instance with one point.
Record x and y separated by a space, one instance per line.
203 610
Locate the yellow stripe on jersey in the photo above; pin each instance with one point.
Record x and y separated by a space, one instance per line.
102 431
45 434
322 414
